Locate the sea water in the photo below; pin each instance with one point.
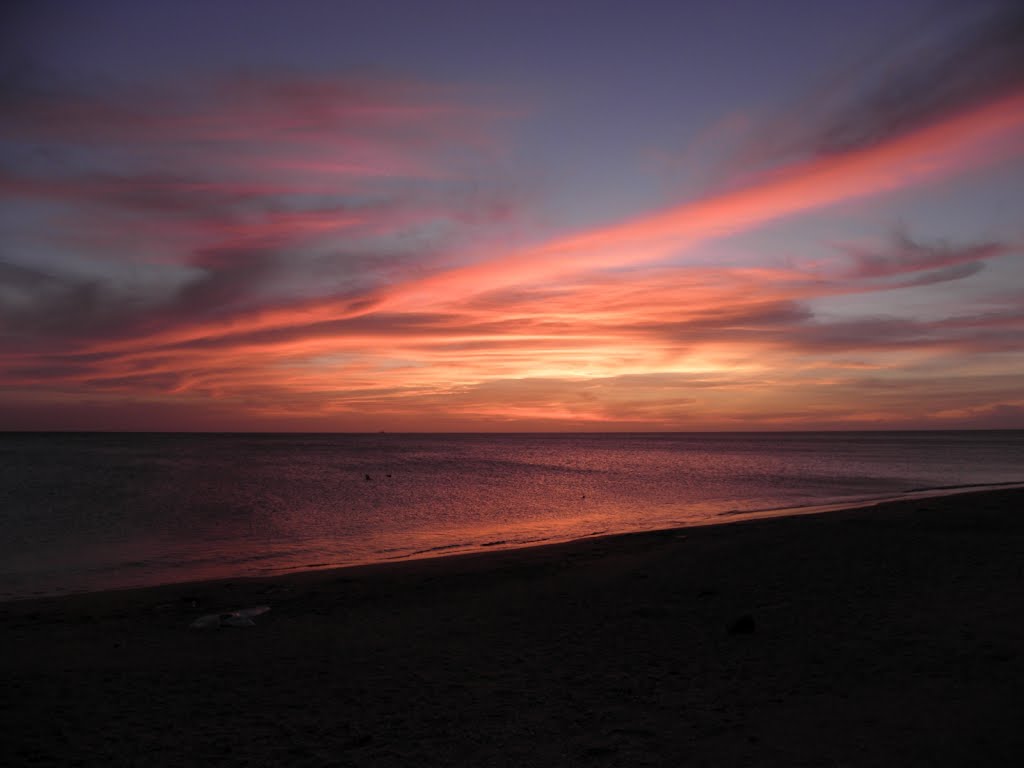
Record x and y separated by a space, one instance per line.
82 512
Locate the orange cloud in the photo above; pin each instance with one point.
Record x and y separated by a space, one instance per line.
612 326
979 136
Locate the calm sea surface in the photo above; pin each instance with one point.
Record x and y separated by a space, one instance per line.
82 512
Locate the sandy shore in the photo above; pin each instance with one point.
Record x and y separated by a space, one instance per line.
887 636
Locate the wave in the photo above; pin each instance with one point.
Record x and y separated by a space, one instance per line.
853 501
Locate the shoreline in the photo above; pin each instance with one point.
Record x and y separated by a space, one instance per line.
887 634
867 502
721 518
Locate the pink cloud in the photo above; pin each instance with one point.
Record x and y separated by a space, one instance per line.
611 326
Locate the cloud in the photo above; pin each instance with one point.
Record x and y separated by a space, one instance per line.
988 416
904 262
673 323
371 120
904 255
932 73
243 195
954 59
936 149
316 252
944 148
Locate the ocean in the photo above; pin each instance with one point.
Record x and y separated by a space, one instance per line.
84 512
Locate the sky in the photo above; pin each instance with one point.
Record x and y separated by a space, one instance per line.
498 216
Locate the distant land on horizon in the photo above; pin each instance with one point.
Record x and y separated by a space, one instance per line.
499 433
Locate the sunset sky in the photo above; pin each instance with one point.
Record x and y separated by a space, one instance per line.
507 216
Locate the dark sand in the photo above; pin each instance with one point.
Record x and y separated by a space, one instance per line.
890 636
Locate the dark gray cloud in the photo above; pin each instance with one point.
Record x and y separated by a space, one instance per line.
904 255
190 202
36 303
959 56
23 278
946 275
966 55
765 320
906 262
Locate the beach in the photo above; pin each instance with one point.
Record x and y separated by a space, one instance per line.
889 635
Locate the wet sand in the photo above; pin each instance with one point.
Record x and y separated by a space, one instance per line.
892 635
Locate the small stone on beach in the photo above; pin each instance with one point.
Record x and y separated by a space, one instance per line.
239 618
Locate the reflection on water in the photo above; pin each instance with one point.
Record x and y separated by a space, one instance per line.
98 511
